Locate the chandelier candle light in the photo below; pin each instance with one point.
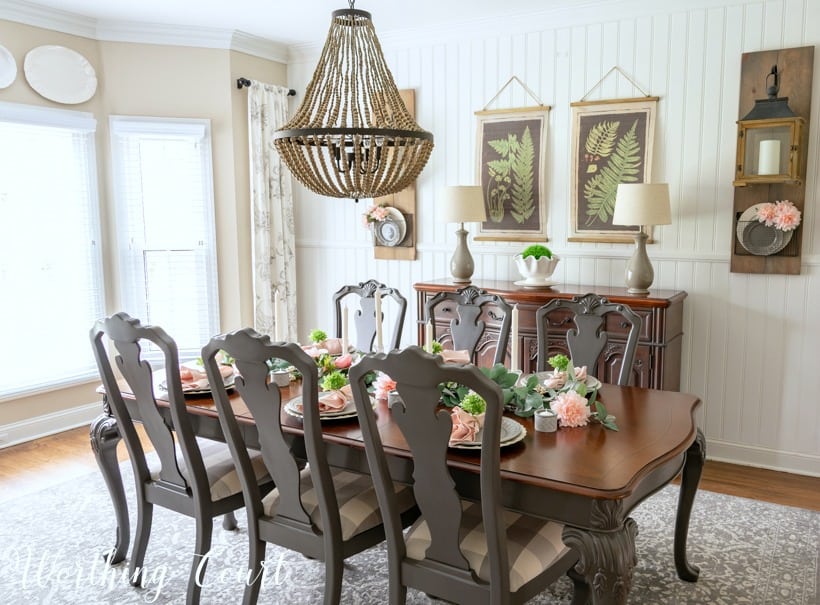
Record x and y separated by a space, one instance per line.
462 204
641 204
352 136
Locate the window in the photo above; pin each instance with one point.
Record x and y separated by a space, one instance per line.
51 284
165 226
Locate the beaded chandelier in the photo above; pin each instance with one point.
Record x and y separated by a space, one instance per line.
352 136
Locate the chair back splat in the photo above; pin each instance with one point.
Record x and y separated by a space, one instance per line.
469 310
587 339
464 547
364 318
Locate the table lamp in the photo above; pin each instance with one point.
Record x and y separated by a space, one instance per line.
462 204
641 204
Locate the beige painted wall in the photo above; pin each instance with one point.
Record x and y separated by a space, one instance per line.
158 81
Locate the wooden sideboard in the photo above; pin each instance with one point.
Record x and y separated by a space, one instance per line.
658 358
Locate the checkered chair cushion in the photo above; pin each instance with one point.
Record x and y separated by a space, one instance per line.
532 544
219 466
355 495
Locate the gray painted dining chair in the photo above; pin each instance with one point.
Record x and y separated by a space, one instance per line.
470 309
191 475
461 550
586 336
364 317
321 512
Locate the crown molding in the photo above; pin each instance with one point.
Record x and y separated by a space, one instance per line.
141 33
48 18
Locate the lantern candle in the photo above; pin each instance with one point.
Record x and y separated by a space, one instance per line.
769 157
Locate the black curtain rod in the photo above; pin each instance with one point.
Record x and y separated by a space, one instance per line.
242 82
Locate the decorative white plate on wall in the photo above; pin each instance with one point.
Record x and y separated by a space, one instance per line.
60 74
8 68
392 230
756 237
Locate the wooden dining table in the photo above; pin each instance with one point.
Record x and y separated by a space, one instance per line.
587 478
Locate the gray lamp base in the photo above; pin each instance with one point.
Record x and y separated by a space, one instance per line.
639 274
462 265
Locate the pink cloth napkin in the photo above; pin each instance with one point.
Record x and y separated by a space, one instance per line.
194 379
465 426
460 356
332 401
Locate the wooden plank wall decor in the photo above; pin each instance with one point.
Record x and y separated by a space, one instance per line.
796 66
404 201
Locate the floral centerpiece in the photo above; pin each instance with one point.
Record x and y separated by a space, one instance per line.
568 395
782 215
565 391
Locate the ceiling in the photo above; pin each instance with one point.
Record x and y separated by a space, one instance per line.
305 21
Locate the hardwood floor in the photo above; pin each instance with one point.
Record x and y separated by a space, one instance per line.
31 466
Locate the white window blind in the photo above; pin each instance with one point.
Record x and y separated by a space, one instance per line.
163 183
51 284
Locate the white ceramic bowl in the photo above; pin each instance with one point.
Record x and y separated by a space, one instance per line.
536 270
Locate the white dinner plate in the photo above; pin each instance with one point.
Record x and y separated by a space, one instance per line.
8 68
60 74
349 411
229 384
591 381
511 432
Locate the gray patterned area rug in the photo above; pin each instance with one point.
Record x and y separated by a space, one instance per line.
51 543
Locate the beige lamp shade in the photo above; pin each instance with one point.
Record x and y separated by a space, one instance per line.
462 204
642 204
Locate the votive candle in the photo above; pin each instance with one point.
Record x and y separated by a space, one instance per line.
428 336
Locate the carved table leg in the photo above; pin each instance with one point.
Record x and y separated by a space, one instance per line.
104 439
607 560
692 469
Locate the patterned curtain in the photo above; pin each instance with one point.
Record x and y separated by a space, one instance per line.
273 236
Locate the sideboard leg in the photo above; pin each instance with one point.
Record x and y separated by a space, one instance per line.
104 439
692 470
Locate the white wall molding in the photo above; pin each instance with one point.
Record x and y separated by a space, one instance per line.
48 18
48 424
776 460
141 33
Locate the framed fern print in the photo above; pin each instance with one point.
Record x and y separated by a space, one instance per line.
611 144
512 159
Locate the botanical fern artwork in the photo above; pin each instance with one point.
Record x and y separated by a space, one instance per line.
512 147
611 144
512 178
622 166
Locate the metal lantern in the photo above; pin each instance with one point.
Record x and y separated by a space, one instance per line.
769 140
352 136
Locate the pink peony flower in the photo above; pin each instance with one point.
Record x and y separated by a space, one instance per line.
571 409
379 213
383 385
766 214
787 216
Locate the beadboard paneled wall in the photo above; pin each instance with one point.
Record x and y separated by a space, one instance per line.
750 343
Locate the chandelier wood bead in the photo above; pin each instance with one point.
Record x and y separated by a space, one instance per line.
352 136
